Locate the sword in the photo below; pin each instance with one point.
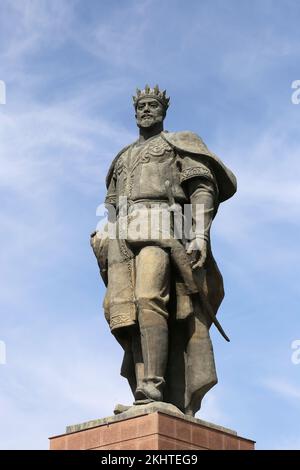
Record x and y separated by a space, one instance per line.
208 308
173 207
205 302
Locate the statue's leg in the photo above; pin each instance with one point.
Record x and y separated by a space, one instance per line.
152 294
137 357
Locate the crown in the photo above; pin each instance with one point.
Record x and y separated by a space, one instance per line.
152 93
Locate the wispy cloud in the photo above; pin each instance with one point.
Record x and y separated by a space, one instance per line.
37 21
43 380
284 388
69 71
212 409
265 209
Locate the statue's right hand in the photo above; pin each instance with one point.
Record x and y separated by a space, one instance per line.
197 249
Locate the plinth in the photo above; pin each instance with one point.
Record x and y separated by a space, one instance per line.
154 427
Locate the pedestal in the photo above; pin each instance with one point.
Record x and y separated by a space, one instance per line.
149 429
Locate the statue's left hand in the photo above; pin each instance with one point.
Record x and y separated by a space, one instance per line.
197 249
99 243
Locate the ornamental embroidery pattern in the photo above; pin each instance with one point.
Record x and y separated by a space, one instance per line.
197 171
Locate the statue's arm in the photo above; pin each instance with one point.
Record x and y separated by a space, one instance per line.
203 201
201 188
99 240
111 195
202 193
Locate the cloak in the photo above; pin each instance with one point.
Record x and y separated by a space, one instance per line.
190 143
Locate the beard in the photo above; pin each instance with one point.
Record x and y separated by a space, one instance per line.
148 121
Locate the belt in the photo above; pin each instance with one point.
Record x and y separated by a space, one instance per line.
143 202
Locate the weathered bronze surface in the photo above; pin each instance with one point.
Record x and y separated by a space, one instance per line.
163 292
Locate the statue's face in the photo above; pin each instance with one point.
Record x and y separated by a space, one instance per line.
149 112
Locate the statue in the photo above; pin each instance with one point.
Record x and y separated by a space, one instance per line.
163 292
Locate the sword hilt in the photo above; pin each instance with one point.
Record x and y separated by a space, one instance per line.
172 203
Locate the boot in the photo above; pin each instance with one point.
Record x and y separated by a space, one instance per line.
138 358
154 340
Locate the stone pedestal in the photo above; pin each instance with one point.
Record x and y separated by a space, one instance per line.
149 428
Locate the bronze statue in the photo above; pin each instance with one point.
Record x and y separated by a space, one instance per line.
163 292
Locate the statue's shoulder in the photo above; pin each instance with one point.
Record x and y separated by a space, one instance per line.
113 163
187 142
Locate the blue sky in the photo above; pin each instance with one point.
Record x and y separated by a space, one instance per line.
70 68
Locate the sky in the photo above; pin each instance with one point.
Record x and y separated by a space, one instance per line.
70 68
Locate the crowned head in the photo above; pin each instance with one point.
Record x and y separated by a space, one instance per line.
151 106
154 93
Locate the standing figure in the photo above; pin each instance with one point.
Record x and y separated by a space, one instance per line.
163 291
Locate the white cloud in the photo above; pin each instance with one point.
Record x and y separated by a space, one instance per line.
284 388
268 196
212 409
58 380
121 36
58 145
38 21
